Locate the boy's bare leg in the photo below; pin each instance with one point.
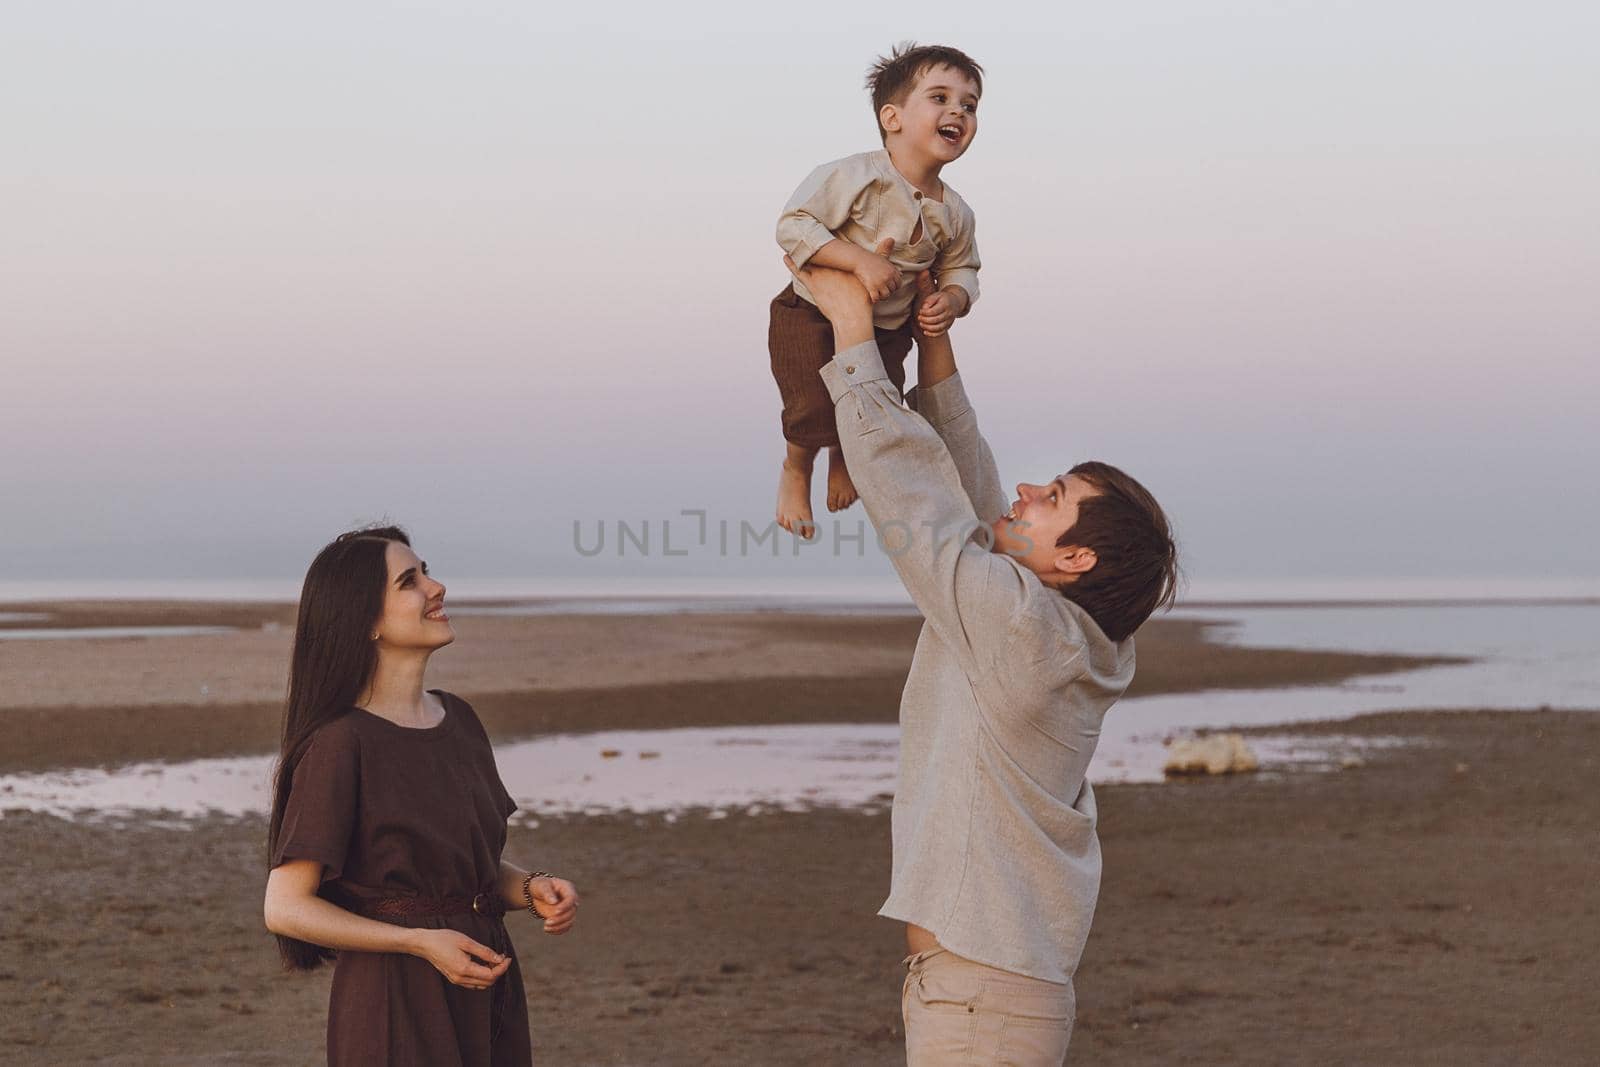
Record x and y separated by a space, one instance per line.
794 491
841 490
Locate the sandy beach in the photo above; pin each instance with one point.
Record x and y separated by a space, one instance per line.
1438 904
76 703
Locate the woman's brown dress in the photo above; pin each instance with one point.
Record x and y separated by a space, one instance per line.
397 812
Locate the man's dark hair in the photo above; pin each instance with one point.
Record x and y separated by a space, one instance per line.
1136 568
892 77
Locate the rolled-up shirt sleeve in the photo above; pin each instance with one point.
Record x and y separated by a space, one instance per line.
820 206
915 498
958 261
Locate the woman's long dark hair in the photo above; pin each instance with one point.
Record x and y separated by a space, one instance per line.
333 660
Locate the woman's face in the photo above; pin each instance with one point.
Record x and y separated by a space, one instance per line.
413 605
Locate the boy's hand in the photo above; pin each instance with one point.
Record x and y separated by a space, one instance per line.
877 275
935 313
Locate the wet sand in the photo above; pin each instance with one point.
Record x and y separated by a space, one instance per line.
88 703
1438 904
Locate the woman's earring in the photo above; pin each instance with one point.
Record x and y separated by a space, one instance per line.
374 637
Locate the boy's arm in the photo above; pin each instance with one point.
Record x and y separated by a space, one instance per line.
819 206
842 255
877 274
958 261
823 203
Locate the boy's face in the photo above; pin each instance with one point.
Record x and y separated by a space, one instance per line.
939 118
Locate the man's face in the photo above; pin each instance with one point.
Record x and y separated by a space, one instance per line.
939 118
1028 532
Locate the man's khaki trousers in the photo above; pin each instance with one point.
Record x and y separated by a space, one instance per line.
960 1012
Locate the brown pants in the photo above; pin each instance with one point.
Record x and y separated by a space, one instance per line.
800 339
957 1011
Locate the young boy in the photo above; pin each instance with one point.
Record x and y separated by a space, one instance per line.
885 216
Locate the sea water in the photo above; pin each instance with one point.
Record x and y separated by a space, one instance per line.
1529 656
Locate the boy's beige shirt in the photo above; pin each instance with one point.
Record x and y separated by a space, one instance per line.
995 848
863 199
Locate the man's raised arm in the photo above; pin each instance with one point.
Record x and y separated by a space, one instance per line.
911 489
914 496
941 398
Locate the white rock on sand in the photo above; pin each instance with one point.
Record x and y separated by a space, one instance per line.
1215 754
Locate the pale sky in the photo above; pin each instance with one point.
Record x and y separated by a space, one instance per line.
1322 275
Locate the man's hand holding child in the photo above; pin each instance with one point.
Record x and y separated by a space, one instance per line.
877 275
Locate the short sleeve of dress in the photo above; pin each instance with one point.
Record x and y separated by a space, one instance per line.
507 805
320 814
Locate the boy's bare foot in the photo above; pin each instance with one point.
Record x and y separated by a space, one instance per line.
841 490
794 493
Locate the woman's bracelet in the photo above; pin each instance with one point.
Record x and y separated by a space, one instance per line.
527 890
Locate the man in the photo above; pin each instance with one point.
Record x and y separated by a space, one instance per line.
1030 607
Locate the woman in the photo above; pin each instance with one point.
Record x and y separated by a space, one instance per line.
388 820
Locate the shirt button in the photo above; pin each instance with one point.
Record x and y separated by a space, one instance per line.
850 368
916 196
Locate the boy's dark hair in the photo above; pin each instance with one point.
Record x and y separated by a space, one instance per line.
893 76
1136 570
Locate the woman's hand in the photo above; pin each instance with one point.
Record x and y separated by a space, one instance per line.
879 277
555 900
451 953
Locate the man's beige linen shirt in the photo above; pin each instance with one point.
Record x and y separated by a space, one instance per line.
863 199
995 849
